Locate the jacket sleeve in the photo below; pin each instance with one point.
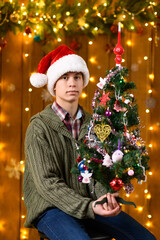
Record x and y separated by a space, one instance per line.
48 183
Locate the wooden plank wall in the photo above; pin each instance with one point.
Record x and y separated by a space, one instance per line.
15 68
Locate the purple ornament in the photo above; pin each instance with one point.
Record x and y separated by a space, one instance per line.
108 113
80 178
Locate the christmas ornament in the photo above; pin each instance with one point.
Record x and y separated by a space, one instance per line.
14 170
3 43
86 176
81 165
102 131
117 106
128 188
117 156
74 45
114 28
28 30
14 17
130 172
108 113
118 50
37 38
104 99
107 161
102 82
80 178
116 184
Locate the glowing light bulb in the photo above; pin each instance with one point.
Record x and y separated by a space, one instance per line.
90 42
86 10
27 109
127 195
150 39
123 60
129 43
21 162
152 23
148 196
22 216
84 95
146 191
68 13
30 90
96 28
150 128
22 198
148 224
132 27
147 110
146 24
149 216
145 57
150 173
54 29
151 76
92 60
105 4
78 4
91 79
98 14
140 209
150 145
150 91
86 25
59 40
26 55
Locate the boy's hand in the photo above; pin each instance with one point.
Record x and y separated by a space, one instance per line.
112 208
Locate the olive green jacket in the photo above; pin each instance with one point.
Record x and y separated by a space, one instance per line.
50 153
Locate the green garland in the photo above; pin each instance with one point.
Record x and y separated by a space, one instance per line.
89 17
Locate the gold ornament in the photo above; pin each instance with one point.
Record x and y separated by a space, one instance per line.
102 131
14 17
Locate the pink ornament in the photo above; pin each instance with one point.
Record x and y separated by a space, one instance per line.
108 113
130 172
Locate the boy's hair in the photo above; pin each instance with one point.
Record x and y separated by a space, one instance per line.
55 64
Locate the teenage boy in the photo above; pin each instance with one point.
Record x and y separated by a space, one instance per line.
57 203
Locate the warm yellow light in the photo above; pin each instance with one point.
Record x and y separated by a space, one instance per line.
132 27
22 216
55 29
22 198
148 224
24 34
127 195
150 173
151 76
30 35
123 60
105 4
27 109
26 55
98 14
30 90
140 209
147 110
150 91
2 225
152 23
90 42
68 13
150 145
129 43
96 28
86 10
149 216
146 191
59 40
2 146
60 25
86 25
91 79
148 196
78 4
150 39
84 95
21 162
146 24
151 128
92 60
155 13
145 57
54 16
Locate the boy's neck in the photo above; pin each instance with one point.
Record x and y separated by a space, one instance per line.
69 107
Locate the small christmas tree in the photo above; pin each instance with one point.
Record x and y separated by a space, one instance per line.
113 152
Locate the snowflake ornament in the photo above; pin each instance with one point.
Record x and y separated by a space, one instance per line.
14 169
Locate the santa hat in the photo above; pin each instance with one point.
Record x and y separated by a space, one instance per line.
55 64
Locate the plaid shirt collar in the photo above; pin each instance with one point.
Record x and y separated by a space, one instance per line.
64 115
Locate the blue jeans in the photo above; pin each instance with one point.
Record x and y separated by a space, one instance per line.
58 225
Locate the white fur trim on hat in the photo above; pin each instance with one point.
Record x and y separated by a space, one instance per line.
38 80
68 63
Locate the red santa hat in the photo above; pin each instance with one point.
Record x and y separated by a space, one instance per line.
55 64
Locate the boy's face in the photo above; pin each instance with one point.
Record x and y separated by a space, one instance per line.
68 87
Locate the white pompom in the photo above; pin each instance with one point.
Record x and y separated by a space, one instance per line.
38 80
117 156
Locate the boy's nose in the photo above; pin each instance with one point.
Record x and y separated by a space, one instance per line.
71 81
